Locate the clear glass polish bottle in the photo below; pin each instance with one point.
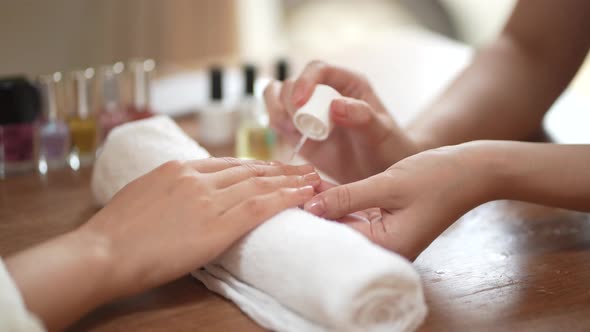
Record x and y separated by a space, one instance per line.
254 140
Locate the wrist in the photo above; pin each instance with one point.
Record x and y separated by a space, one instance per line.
100 260
489 164
483 162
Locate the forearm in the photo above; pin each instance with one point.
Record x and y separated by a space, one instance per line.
549 174
63 278
506 90
493 98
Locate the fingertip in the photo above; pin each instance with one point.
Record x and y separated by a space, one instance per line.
350 112
316 206
338 109
306 192
301 93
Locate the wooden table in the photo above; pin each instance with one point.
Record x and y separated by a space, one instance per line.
505 266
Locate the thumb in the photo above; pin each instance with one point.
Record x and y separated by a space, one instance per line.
341 200
360 118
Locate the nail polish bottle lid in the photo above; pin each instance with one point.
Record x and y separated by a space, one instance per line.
141 71
282 70
47 84
81 89
313 118
109 77
249 79
19 101
216 76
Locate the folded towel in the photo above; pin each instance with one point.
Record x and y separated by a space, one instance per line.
296 272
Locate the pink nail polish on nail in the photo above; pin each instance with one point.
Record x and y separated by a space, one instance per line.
307 190
315 207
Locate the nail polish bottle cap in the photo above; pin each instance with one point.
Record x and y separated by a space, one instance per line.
216 76
81 89
141 71
249 79
282 70
313 118
109 79
19 101
47 89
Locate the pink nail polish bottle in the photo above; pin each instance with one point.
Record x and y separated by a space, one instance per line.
141 72
54 133
111 112
19 111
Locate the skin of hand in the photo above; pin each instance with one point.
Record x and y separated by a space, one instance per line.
159 227
416 199
409 204
363 129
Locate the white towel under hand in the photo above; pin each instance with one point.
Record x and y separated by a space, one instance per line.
296 272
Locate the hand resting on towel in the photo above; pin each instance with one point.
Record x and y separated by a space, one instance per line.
189 210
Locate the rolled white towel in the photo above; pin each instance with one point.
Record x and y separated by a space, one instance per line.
296 272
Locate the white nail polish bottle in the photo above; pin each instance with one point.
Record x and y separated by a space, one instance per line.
217 122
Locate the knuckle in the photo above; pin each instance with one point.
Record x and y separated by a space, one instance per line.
260 183
317 65
172 165
253 170
363 79
192 183
254 207
343 197
231 161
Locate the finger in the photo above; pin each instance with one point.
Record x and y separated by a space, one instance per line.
341 200
325 185
276 111
285 96
344 81
360 118
234 194
255 210
277 98
209 165
230 176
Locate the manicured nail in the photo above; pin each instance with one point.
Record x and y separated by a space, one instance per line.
339 110
306 191
312 179
297 98
306 168
316 206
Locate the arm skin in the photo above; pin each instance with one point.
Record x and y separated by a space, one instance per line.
156 229
510 84
548 174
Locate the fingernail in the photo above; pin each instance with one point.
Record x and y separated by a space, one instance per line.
339 110
298 98
306 168
306 191
316 206
312 179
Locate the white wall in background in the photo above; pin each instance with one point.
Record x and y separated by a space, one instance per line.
260 29
478 22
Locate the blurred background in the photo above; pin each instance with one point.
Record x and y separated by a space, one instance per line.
409 49
45 36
